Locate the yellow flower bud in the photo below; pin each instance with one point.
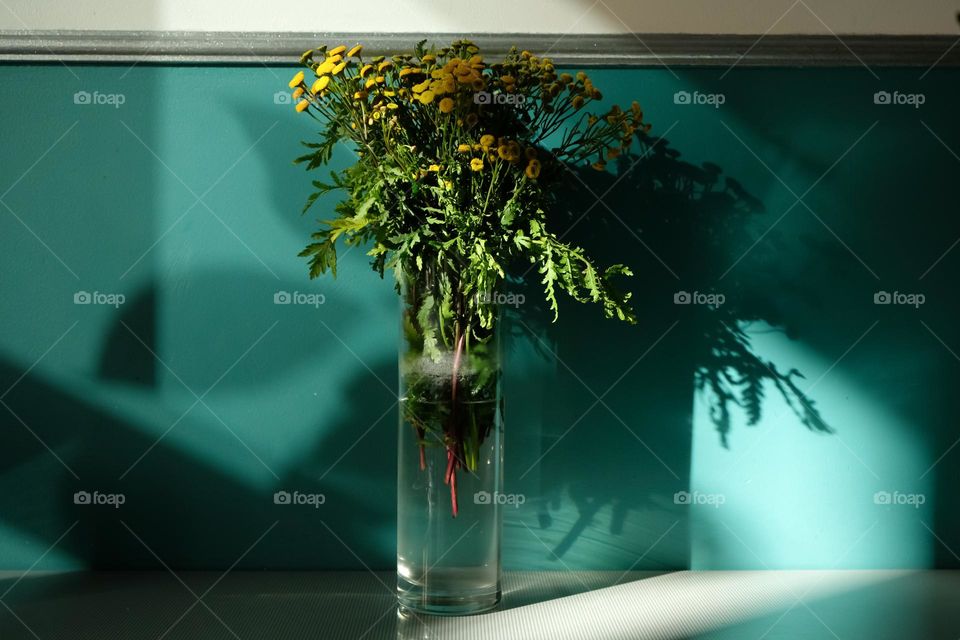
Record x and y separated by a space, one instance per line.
297 79
303 104
337 50
340 67
355 51
297 93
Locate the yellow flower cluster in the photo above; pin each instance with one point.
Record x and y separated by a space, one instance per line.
446 82
503 149
335 61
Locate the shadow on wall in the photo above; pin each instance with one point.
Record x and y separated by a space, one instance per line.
187 508
617 439
615 447
599 426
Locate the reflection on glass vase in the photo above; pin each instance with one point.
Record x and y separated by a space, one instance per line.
450 453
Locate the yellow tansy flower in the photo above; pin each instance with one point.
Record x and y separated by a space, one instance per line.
487 141
426 97
365 70
428 59
355 51
297 93
360 95
476 164
533 169
303 104
340 67
325 68
337 50
463 148
386 64
434 167
296 80
320 84
446 105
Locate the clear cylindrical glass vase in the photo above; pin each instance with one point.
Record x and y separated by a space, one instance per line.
450 454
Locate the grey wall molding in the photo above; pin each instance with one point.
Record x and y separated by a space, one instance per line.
645 50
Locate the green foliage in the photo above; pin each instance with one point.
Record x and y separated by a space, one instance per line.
456 186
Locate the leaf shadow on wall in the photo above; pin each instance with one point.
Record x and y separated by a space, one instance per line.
189 503
618 439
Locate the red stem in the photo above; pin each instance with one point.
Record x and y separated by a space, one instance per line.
453 493
423 455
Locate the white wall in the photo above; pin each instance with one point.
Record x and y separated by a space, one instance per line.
464 16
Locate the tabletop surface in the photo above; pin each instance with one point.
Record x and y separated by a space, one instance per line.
558 605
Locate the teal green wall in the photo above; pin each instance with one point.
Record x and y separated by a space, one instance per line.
184 201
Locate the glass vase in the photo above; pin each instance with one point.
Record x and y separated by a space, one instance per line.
450 453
